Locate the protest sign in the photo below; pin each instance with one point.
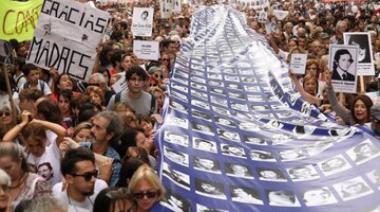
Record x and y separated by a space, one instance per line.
236 136
146 50
142 21
365 57
120 84
298 63
280 14
343 64
19 19
166 8
66 37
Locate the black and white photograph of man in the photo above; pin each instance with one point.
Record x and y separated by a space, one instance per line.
319 196
180 178
262 155
238 170
177 106
363 152
334 165
200 114
225 122
176 138
302 173
176 202
254 140
144 16
245 195
204 145
291 154
182 122
203 208
210 189
200 104
232 150
206 165
282 198
202 128
228 135
177 157
352 188
270 174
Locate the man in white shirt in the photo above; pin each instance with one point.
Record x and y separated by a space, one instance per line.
78 169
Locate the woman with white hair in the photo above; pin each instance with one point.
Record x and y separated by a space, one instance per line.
5 183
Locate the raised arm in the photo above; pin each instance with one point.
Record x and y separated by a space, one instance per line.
308 97
11 135
56 128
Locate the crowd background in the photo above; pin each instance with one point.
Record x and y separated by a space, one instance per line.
78 146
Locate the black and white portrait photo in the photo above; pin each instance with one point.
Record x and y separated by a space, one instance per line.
225 122
176 202
176 157
201 115
176 138
232 150
245 195
334 165
206 164
262 155
254 140
228 135
204 145
363 152
200 104
318 196
363 41
202 128
179 178
178 106
302 173
238 170
203 208
178 121
282 198
270 174
352 189
210 189
343 64
291 154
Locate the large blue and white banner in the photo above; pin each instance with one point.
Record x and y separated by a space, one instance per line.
238 137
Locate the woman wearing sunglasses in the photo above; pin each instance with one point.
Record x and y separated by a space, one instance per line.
145 189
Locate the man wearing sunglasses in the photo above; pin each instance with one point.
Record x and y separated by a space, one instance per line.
81 183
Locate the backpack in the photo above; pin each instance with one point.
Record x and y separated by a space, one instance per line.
152 101
41 84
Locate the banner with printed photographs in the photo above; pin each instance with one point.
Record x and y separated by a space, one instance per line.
237 136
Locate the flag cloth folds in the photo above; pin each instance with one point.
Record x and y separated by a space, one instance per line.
238 137
19 19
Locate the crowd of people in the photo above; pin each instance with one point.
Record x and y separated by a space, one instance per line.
80 146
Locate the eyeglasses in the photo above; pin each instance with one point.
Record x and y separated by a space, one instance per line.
148 194
88 175
5 113
165 59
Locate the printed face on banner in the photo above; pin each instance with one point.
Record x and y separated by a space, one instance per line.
319 196
180 178
238 170
245 195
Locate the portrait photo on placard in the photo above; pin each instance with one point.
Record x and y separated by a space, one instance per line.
270 174
262 155
176 156
352 188
334 165
175 202
303 173
363 152
238 170
343 64
245 195
363 41
204 145
179 178
282 198
210 189
206 165
176 138
319 196
232 150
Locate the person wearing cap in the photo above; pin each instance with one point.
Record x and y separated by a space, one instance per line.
375 120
